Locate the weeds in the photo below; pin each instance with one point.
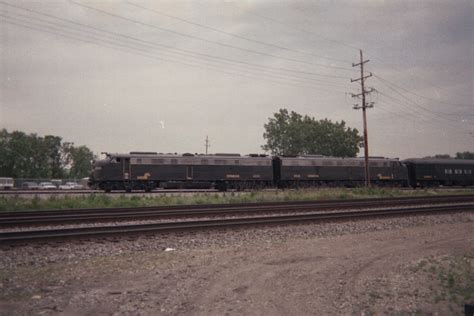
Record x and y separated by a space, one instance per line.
455 278
103 200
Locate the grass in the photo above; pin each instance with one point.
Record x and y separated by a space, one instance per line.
102 200
457 279
453 277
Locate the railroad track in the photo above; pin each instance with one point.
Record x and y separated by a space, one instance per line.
71 216
162 191
71 192
99 231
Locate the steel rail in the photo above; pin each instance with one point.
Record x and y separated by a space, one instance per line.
86 215
90 191
30 235
163 191
230 205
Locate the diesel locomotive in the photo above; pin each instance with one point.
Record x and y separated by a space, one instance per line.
147 171
150 170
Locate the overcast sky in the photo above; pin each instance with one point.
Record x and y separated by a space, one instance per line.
119 76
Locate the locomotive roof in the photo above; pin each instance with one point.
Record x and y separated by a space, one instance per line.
440 161
316 157
186 155
237 156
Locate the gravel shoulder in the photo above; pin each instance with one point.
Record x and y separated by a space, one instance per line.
421 264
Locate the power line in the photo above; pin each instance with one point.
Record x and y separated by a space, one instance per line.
174 49
270 75
421 79
305 31
413 115
416 94
298 29
416 111
420 116
100 43
206 40
417 122
347 45
234 35
410 101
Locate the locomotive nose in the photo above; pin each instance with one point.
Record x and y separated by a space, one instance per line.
96 171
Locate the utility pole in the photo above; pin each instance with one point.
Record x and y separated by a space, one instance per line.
207 143
364 106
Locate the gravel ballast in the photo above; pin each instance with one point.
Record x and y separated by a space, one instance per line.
369 266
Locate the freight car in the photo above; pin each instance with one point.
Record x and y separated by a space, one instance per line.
428 172
149 170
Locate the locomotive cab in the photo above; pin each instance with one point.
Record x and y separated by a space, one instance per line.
110 173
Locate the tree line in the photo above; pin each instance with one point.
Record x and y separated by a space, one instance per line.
459 155
290 133
31 156
286 133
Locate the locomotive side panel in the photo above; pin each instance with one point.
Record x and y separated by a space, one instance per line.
341 171
148 171
203 169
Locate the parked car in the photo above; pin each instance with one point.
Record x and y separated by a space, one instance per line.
71 186
30 186
56 182
47 186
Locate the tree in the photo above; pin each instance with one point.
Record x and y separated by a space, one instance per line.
31 156
57 158
465 155
19 154
81 158
290 133
440 156
459 155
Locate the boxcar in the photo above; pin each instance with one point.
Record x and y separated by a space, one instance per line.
305 171
434 172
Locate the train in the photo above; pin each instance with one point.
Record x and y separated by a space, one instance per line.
150 170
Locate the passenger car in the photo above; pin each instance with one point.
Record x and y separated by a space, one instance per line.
428 172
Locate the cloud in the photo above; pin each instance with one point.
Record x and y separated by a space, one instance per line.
56 85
